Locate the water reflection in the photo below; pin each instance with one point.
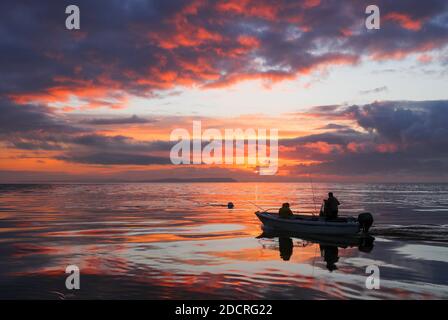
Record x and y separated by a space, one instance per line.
181 241
330 255
328 245
285 248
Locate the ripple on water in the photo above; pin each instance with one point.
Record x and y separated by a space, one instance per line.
181 241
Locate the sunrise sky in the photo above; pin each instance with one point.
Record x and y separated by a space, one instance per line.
99 103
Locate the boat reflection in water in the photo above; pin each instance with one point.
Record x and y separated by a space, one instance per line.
329 245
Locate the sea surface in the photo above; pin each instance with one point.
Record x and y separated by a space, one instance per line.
176 241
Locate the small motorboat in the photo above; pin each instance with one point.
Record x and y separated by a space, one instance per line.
316 224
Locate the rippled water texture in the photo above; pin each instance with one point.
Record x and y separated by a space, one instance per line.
157 241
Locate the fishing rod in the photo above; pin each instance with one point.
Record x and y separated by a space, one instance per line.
256 206
314 258
262 209
314 198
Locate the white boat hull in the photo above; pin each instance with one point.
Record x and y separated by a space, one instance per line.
309 224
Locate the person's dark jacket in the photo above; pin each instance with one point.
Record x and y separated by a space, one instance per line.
332 205
285 212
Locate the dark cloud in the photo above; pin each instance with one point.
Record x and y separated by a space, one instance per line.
30 144
122 143
31 118
334 126
340 137
392 138
114 121
375 90
328 112
115 158
115 150
34 127
141 47
407 123
401 138
390 166
325 109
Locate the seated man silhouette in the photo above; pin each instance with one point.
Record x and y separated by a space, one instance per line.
285 248
285 211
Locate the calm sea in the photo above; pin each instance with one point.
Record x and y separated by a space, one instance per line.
165 241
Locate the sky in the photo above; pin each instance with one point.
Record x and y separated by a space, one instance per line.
99 103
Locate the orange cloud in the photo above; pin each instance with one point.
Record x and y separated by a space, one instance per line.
249 8
405 21
322 147
185 35
387 148
249 41
311 3
399 54
104 92
278 76
425 58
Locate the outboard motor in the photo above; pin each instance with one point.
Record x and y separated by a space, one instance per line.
365 220
366 244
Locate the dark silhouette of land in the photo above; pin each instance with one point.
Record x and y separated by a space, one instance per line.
189 180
